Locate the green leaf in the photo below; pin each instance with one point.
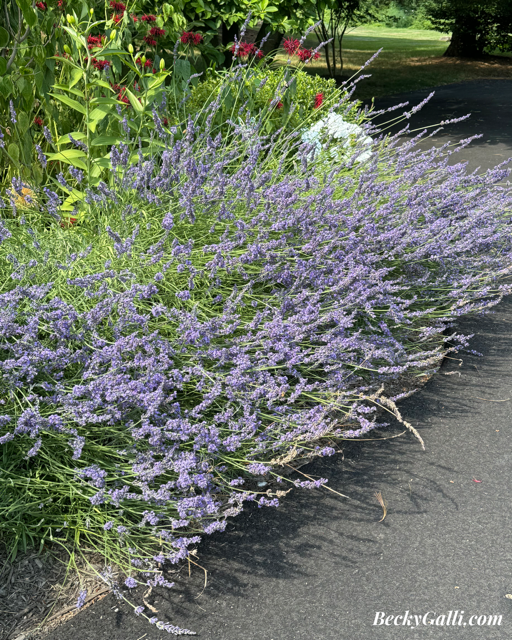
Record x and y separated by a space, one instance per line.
68 204
96 171
77 135
95 101
26 90
79 40
38 173
103 162
38 77
115 52
3 66
97 116
182 68
130 66
99 83
76 76
28 13
13 151
23 122
105 140
65 87
63 59
6 87
157 82
134 101
4 37
48 81
70 103
69 156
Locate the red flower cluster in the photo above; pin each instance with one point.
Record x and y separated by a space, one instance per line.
121 93
319 98
148 18
156 32
94 41
187 37
117 6
135 19
148 63
307 54
101 65
291 46
150 41
38 121
41 5
117 17
61 4
246 49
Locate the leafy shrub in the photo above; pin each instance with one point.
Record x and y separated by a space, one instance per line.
397 15
221 311
267 91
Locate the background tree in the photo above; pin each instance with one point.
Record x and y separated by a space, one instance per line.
477 26
336 16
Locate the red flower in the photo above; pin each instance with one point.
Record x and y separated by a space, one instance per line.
246 49
156 32
148 18
149 40
291 46
61 4
117 6
165 122
319 98
147 64
121 93
307 54
135 19
101 65
68 222
279 105
187 37
94 41
38 121
41 5
116 17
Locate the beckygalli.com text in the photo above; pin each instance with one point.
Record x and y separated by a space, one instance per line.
431 618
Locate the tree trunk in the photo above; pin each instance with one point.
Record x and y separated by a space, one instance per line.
228 35
272 43
466 40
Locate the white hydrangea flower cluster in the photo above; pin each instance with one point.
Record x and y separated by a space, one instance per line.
334 126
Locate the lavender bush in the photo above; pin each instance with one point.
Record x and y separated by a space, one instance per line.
222 309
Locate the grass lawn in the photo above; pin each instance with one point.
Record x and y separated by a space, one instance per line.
410 59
